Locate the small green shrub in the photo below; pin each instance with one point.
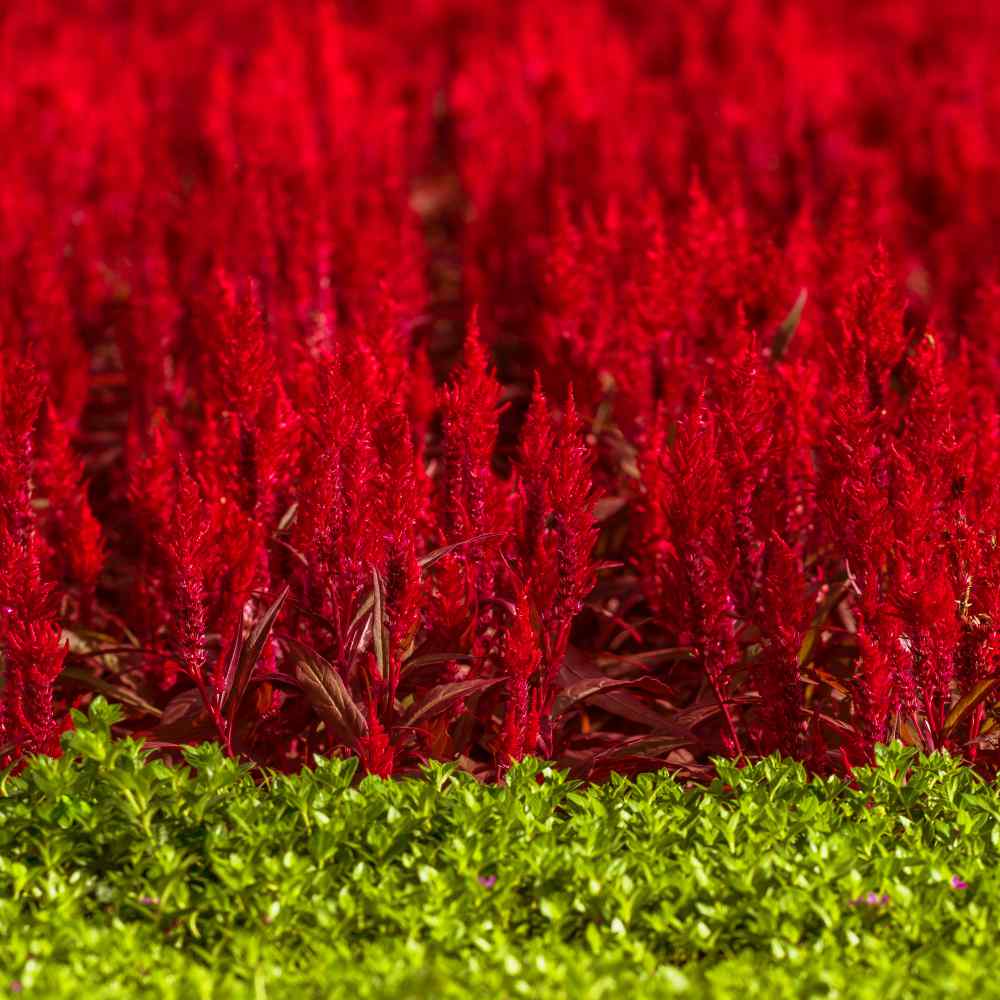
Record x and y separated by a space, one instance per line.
121 876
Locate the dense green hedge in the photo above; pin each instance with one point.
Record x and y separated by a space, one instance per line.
122 877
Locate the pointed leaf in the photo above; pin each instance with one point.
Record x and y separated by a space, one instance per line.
432 557
250 654
607 507
378 625
416 663
824 677
969 702
650 657
909 735
186 705
329 695
789 325
624 705
233 658
832 599
439 698
115 692
646 746
423 562
583 689
288 518
185 719
277 678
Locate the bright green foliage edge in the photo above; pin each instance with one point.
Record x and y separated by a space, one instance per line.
121 876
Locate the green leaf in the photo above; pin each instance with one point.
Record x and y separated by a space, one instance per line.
788 326
379 638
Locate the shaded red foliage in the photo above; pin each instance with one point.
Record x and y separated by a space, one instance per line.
609 381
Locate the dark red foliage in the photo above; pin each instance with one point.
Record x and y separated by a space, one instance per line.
609 381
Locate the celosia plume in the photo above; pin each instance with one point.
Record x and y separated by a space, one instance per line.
609 381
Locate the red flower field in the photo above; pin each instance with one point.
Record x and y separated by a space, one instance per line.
605 381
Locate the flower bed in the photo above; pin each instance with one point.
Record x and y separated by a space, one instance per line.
609 382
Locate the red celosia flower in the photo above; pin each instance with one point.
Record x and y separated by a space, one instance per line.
521 660
558 533
751 253
184 546
33 659
69 525
472 503
686 549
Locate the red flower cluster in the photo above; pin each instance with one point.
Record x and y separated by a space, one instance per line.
608 381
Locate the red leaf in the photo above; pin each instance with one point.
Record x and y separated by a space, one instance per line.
646 746
236 683
185 719
622 705
437 699
329 695
583 689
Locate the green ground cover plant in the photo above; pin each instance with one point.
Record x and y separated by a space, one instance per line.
122 876
603 381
